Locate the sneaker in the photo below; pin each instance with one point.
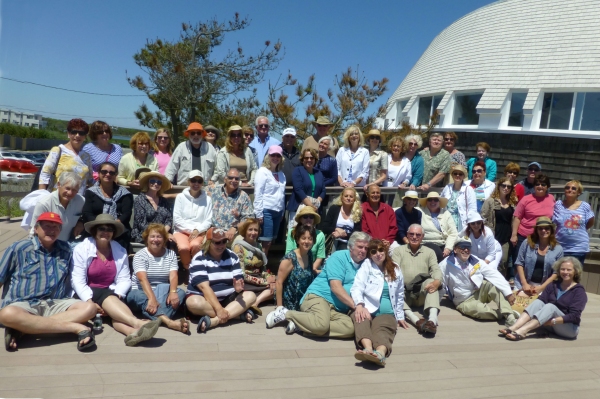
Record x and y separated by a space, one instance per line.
275 317
291 328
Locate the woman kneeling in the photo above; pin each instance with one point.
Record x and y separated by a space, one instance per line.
378 293
216 287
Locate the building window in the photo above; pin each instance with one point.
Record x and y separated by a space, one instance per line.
399 116
587 112
556 111
515 118
4 120
26 124
34 125
427 106
465 109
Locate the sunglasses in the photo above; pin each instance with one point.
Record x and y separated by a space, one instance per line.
308 158
155 181
541 184
458 174
222 242
106 131
162 138
235 135
308 217
412 144
506 186
477 170
263 126
78 133
211 133
463 249
544 228
533 169
322 125
195 133
106 229
235 178
105 172
376 250
433 200
196 181
249 136
572 188
477 222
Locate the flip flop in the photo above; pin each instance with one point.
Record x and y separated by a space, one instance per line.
514 336
244 316
146 332
206 321
9 335
83 335
256 310
362 355
182 322
505 331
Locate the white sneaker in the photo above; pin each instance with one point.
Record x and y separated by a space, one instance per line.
291 328
275 317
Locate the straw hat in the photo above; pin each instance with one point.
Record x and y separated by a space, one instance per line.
144 177
410 194
307 210
373 132
545 221
194 126
322 120
140 171
433 194
104 219
459 168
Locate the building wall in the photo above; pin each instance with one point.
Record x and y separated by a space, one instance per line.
21 118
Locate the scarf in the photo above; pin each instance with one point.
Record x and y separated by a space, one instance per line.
256 251
110 204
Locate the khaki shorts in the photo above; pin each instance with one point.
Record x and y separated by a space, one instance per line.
47 308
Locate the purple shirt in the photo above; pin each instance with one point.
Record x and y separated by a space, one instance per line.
101 274
571 303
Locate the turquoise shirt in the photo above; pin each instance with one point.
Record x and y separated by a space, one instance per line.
385 303
339 267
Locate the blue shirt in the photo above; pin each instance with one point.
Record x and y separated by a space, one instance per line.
262 148
490 168
417 166
328 166
571 233
30 273
339 267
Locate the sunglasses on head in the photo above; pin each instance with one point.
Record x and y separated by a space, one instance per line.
106 229
79 133
235 178
376 250
196 181
155 181
105 172
222 242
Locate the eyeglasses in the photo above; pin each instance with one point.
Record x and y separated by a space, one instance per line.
477 170
263 126
541 184
544 228
222 242
249 135
235 135
144 143
572 188
433 200
106 229
533 169
275 155
448 139
412 144
308 158
374 137
376 250
506 186
105 172
308 217
195 133
162 138
414 234
458 174
155 181
196 181
236 178
81 133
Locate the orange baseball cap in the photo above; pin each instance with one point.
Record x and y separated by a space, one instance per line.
194 126
50 217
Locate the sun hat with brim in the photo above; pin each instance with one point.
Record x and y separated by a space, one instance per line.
145 177
544 221
194 126
49 217
433 194
234 128
216 130
410 194
322 120
459 168
473 217
307 210
463 242
139 171
105 219
374 133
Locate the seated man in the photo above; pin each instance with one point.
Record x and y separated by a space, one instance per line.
379 219
216 288
438 225
324 306
36 274
231 206
422 280
472 284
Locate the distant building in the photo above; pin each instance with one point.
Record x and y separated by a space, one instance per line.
22 118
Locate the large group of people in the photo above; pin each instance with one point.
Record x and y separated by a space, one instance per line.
355 268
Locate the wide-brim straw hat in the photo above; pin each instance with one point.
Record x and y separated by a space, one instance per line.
140 171
194 126
105 219
433 194
459 168
373 132
322 120
545 221
144 177
307 210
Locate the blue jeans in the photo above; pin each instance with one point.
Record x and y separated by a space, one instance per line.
580 256
271 223
544 312
137 301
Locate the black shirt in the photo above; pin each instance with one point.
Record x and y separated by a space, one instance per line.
538 272
504 224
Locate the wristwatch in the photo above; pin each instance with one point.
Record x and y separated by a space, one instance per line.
553 322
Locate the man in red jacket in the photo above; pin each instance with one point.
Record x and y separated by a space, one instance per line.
379 219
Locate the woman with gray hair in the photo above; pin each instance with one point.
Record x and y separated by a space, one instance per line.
413 143
67 203
353 159
327 164
436 163
558 308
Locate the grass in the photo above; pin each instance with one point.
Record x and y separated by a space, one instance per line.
9 206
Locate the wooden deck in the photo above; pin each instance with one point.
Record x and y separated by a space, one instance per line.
466 359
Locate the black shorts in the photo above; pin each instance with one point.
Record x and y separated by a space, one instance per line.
99 295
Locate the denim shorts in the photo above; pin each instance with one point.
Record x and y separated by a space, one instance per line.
271 224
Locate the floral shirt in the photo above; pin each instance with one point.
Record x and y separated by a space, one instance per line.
68 162
297 282
145 214
440 163
458 158
229 210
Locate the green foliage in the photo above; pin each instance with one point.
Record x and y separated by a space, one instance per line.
24 132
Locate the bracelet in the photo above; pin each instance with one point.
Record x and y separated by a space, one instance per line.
173 291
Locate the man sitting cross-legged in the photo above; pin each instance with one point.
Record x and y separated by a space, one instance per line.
324 307
35 272
472 284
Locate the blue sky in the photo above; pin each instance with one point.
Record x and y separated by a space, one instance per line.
89 45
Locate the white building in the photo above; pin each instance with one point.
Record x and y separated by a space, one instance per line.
21 118
514 66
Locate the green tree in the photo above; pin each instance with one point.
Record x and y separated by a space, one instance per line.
187 81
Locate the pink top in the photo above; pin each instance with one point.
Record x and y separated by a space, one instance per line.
530 208
163 160
101 274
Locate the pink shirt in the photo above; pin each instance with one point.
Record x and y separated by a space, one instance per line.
530 208
163 160
101 274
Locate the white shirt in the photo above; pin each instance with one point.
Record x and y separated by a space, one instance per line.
268 192
398 174
358 162
484 247
487 186
191 213
466 202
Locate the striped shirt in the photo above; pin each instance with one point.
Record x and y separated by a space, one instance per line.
219 273
157 268
100 156
30 273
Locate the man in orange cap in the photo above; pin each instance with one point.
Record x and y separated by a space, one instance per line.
193 154
37 274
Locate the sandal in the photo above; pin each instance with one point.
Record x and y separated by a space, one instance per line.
206 321
514 336
184 326
81 336
244 316
9 335
362 355
505 331
256 310
376 357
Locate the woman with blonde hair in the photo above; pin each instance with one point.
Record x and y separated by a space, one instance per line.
353 159
163 145
237 155
139 158
343 217
399 171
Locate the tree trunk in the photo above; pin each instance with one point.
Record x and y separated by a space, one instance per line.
175 124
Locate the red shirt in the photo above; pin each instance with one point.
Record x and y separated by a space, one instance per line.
383 225
530 208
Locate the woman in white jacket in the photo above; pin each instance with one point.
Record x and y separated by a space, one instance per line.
461 197
269 196
101 275
192 217
378 293
482 238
